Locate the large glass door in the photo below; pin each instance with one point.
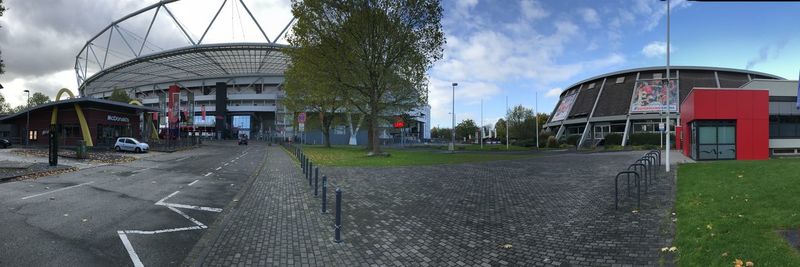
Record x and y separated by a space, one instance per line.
715 140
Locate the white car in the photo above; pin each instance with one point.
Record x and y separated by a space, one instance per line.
130 144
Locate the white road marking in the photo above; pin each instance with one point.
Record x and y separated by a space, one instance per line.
141 232
180 159
192 183
132 253
233 160
198 223
218 168
207 174
60 189
174 207
226 164
141 170
191 207
167 197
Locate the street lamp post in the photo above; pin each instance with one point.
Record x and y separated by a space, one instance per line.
453 132
28 119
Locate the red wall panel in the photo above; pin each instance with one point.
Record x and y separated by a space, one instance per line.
749 108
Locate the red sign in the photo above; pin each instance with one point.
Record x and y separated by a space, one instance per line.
203 111
399 124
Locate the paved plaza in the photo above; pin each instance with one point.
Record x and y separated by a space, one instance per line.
554 209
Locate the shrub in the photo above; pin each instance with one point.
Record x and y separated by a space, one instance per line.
544 137
645 139
613 139
573 139
524 142
552 142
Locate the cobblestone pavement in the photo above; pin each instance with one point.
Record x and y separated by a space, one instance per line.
551 210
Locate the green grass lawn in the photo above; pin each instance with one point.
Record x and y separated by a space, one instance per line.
357 156
730 210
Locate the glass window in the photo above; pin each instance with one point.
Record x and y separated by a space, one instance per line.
707 135
726 135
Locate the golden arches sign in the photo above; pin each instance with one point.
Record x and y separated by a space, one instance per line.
87 136
154 133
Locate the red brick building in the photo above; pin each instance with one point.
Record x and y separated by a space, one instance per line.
106 120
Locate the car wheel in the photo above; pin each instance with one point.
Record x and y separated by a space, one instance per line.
138 150
118 149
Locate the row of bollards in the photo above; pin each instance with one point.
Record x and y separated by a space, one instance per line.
312 176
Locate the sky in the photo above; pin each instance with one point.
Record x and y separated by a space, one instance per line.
520 50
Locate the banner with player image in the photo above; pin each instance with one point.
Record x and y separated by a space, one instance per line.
564 107
655 96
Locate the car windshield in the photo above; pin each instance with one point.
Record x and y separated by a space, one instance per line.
134 140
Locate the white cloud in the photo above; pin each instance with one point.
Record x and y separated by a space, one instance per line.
656 49
470 93
553 92
532 10
590 16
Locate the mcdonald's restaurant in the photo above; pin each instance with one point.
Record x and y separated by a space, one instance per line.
97 122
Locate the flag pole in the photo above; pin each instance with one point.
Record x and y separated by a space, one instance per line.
667 149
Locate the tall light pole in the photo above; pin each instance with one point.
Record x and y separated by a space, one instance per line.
481 126
28 119
507 145
453 114
536 117
668 95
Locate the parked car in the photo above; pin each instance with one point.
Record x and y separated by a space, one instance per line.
130 144
4 143
242 141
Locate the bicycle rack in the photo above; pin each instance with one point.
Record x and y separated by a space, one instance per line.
639 166
638 188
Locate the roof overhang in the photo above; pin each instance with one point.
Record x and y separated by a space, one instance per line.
206 61
85 103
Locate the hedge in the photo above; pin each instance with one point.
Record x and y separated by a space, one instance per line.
613 139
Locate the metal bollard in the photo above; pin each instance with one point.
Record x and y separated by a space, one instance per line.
303 163
316 185
316 174
338 225
324 194
310 168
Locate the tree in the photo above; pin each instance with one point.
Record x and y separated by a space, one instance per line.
466 129
378 51
38 99
500 130
120 95
306 90
2 66
441 133
521 123
5 108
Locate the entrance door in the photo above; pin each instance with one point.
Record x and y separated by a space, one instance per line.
716 140
600 131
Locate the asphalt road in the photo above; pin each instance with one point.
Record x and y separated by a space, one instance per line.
151 211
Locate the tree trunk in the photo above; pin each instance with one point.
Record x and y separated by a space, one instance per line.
326 129
370 134
376 144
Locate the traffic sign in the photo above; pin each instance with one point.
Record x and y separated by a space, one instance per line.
301 117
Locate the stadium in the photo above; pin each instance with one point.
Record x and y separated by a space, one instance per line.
632 101
226 88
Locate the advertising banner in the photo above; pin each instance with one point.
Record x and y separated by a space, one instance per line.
655 96
565 107
190 108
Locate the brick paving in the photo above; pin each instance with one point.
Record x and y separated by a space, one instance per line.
555 210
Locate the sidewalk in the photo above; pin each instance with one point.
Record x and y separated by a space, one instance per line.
277 223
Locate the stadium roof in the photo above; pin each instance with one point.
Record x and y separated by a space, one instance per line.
655 68
119 57
189 63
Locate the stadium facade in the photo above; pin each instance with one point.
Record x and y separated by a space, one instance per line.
617 103
205 89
